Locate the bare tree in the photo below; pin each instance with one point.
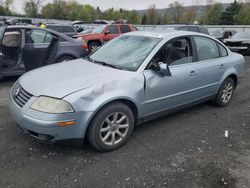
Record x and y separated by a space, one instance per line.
32 7
151 14
176 10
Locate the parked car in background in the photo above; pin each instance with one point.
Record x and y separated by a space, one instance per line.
240 42
193 28
103 22
222 35
24 48
104 33
65 29
132 79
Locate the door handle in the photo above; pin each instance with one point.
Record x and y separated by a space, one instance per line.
222 66
192 73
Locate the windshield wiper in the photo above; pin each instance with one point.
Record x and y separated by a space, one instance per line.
89 59
106 64
101 63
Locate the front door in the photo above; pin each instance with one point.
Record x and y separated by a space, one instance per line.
166 92
37 41
111 32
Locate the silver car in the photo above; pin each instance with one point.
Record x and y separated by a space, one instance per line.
132 79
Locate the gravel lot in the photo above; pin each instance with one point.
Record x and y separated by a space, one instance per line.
185 149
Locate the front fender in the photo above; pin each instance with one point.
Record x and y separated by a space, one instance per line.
94 98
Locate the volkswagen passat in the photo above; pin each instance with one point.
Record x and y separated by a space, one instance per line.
134 78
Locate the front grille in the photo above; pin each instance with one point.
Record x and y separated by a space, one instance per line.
20 96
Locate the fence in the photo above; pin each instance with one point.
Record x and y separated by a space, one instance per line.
211 28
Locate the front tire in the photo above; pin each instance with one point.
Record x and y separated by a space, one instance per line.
225 93
111 127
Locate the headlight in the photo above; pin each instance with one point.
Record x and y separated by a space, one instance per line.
51 105
246 42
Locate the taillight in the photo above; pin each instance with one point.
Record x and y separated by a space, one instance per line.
85 46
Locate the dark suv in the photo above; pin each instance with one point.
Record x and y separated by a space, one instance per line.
65 29
193 28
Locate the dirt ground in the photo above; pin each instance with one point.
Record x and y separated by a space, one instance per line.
185 149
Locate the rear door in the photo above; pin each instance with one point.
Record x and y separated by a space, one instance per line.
2 30
210 66
37 42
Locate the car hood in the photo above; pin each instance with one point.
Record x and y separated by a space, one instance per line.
62 79
90 36
236 40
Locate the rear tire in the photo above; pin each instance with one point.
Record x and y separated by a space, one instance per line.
93 46
225 93
111 127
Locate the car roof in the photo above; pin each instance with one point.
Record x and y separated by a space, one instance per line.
165 33
67 25
33 27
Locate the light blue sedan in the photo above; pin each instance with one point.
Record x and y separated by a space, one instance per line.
132 79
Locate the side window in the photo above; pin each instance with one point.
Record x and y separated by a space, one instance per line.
206 48
193 29
124 28
113 29
48 38
37 36
223 51
12 38
175 52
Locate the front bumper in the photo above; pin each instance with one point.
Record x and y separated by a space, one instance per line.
239 49
43 126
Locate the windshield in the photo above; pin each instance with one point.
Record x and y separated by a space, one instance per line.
99 29
126 52
241 35
216 33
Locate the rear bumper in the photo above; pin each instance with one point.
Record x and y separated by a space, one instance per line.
44 127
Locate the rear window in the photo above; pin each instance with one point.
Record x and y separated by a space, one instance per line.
67 29
124 28
194 29
55 27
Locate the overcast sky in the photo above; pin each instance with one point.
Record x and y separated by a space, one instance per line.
126 4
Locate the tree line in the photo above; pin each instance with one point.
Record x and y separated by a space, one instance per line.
213 13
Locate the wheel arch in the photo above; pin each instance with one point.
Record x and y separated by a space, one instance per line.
234 77
91 41
130 103
65 55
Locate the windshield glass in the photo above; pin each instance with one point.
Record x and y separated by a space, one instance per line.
99 29
216 33
241 35
126 52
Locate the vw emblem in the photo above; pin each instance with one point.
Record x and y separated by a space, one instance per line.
16 92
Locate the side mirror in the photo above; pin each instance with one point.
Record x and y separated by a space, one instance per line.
164 68
107 32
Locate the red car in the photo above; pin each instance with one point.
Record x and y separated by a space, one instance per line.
104 33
